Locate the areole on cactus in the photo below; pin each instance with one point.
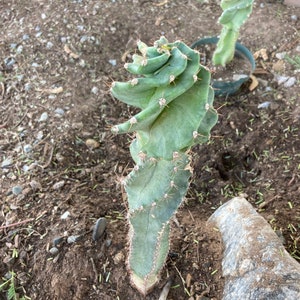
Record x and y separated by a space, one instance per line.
175 100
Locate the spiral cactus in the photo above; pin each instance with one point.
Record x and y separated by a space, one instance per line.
175 102
235 13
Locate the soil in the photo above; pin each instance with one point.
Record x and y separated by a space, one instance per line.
61 166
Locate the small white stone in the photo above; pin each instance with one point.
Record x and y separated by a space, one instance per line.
113 62
280 55
95 90
65 215
290 82
43 117
58 185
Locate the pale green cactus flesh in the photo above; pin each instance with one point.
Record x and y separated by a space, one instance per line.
235 13
175 102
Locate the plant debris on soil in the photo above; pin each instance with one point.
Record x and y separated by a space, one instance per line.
62 169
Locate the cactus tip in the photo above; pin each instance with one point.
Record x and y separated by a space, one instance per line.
144 286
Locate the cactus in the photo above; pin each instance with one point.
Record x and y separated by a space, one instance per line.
235 13
175 102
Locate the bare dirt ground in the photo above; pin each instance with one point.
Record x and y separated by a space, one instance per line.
61 167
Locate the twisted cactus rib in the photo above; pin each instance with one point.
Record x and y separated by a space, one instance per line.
176 113
235 13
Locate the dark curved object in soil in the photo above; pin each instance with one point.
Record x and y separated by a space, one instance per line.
255 265
227 88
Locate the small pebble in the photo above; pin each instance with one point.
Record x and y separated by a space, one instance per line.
83 39
264 105
25 168
27 148
39 135
27 87
35 185
294 18
73 239
63 39
16 190
20 77
9 62
19 49
13 46
108 243
58 240
43 117
35 65
59 112
281 79
92 144
95 90
49 45
53 251
58 185
25 37
280 55
290 82
113 62
65 215
99 228
43 16
7 162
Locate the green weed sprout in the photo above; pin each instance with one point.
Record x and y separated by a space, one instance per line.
235 13
172 91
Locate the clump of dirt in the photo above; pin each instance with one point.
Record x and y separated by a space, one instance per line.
61 168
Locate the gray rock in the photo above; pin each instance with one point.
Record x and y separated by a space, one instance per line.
99 228
53 251
58 240
65 215
27 148
7 162
73 239
59 112
16 190
43 117
255 265
58 185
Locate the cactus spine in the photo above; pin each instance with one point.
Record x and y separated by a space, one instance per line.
235 13
175 102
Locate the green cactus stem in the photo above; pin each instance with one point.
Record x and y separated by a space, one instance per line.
175 102
235 13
